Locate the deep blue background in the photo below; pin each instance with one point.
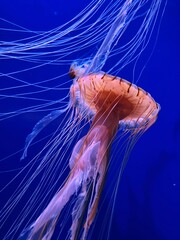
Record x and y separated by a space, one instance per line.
149 194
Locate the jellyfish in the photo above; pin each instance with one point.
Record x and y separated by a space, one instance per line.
114 103
110 104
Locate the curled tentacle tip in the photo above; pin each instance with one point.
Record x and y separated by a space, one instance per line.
78 69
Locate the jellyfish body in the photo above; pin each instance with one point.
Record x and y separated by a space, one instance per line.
114 103
109 103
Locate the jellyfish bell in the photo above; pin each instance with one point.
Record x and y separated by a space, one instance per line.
135 108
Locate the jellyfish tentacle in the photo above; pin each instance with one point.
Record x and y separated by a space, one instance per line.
76 152
43 227
98 190
78 213
39 127
81 173
80 209
45 232
102 54
89 160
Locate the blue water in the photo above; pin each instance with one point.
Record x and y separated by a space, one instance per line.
149 194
